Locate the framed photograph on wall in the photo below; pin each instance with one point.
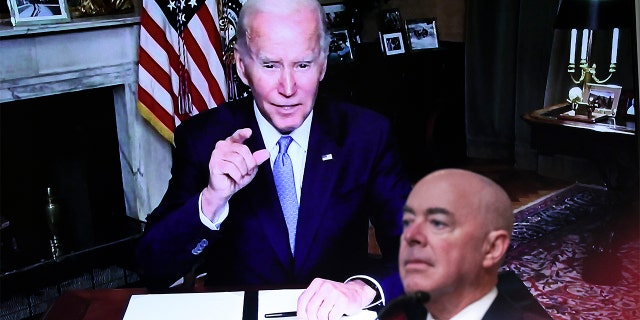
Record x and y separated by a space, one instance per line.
392 43
605 97
31 12
422 34
337 16
340 47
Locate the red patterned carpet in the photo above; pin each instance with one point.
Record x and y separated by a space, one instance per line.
578 252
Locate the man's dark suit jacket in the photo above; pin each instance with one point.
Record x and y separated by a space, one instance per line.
352 175
502 308
513 302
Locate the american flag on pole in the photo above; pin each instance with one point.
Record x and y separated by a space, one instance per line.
181 69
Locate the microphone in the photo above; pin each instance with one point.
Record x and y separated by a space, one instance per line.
410 304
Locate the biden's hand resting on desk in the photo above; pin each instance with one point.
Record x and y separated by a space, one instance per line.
232 166
326 299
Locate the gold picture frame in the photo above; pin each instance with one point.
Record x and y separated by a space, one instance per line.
35 12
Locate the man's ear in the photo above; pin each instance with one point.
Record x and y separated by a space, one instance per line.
324 69
240 65
495 247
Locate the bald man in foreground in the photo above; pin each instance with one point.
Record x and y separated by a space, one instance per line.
457 229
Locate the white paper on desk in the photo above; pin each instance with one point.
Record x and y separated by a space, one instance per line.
192 306
283 300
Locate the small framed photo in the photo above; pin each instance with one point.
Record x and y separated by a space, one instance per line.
340 48
390 21
422 34
31 12
393 43
604 97
337 16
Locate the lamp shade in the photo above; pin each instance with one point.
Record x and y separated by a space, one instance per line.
595 14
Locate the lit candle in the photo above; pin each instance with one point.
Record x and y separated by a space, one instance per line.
614 46
572 54
583 50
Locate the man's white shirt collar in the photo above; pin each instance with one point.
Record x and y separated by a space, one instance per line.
270 134
297 150
476 310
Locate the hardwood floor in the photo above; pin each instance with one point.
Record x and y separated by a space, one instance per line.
522 186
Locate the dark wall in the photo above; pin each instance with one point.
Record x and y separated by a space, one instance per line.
421 92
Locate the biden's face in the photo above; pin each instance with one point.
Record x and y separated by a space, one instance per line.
283 64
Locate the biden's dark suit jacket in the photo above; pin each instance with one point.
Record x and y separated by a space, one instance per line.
352 175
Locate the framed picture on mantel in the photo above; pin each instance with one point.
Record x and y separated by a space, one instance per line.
392 43
33 12
337 16
422 33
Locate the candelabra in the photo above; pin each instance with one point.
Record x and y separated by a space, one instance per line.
593 16
587 72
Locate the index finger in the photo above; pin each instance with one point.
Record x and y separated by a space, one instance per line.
240 135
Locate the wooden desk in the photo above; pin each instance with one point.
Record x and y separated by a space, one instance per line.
613 148
110 304
548 116
99 304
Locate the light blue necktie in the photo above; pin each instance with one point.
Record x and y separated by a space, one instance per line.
283 176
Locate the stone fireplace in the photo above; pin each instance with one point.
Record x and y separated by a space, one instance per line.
91 53
72 83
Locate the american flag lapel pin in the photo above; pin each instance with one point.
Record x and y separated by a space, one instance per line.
327 157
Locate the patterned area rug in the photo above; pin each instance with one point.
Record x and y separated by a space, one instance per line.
579 258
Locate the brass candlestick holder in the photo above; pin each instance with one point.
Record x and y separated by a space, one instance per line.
587 72
54 219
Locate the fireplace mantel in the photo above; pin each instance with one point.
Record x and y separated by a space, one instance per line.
77 24
84 54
